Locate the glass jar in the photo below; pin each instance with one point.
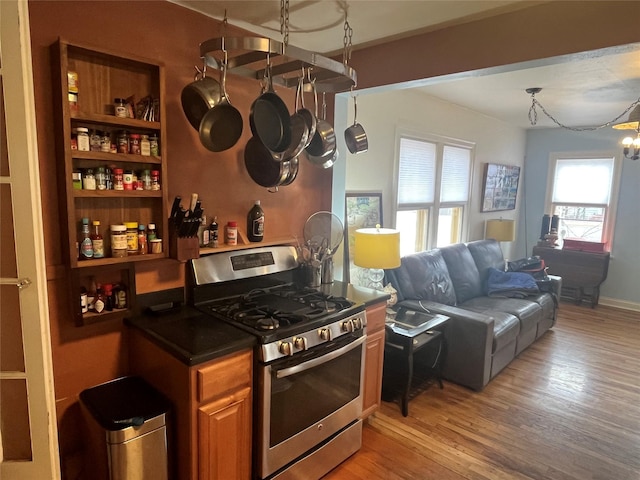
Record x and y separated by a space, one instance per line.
89 179
123 141
105 142
83 139
101 179
118 241
145 145
120 107
77 180
154 147
132 238
95 141
146 179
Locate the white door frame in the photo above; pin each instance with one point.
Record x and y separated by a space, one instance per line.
24 177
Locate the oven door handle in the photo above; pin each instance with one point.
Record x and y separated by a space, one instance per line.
285 372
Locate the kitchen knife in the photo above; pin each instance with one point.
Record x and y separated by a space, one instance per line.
175 208
194 200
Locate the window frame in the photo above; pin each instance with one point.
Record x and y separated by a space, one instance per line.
430 236
608 226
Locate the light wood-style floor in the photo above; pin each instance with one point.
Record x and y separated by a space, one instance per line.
567 408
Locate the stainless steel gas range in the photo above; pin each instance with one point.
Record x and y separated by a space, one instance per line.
309 359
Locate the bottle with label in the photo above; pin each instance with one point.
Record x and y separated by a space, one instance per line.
255 223
99 303
151 235
108 297
89 179
145 145
142 240
119 296
132 237
83 139
86 245
231 233
213 233
97 240
203 232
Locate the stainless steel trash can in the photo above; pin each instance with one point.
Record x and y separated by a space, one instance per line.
132 417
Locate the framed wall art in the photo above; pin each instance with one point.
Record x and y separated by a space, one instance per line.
500 187
363 210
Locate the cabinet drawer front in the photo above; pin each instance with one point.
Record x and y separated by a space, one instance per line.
376 315
225 374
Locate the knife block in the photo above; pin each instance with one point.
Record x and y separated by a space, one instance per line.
183 248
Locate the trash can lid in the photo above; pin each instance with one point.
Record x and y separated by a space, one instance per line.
124 402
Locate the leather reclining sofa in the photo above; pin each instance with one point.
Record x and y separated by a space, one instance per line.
484 333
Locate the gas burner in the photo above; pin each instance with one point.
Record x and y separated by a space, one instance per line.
267 324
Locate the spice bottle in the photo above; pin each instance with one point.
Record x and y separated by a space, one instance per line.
154 147
97 240
101 178
151 235
145 145
95 141
123 141
155 179
108 297
83 139
142 240
118 179
134 143
231 233
213 233
127 180
89 179
86 245
255 223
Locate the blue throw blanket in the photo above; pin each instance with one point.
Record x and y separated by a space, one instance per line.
510 284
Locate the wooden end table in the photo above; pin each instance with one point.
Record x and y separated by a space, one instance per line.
407 333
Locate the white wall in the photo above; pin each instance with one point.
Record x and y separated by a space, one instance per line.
382 114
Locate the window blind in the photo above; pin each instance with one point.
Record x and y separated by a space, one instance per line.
584 181
454 186
416 172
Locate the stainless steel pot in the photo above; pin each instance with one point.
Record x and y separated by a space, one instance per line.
199 97
322 151
355 137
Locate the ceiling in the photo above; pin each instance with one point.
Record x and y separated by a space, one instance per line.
582 90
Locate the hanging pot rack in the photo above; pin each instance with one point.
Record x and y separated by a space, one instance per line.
247 57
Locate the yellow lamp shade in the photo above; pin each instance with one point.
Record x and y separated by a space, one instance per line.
377 248
501 230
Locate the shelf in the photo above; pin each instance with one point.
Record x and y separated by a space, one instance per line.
99 262
247 58
117 193
99 119
116 157
91 317
246 246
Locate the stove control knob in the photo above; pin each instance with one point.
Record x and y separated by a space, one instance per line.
357 323
300 343
285 348
325 334
348 326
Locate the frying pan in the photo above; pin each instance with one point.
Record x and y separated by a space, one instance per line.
199 97
263 168
269 119
307 115
221 126
299 133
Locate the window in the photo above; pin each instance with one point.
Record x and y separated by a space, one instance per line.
582 191
432 192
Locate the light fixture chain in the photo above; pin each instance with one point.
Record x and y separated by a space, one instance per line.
347 40
533 116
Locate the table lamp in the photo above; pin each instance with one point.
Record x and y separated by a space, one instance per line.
500 230
376 249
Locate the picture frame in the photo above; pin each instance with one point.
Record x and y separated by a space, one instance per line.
362 210
500 187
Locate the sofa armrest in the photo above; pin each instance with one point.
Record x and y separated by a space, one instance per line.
556 284
469 337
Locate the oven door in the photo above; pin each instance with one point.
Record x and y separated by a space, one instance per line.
306 399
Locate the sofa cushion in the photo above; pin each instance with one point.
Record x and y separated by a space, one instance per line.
424 276
528 312
505 329
486 254
463 272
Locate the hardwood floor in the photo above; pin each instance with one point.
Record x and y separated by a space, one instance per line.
567 408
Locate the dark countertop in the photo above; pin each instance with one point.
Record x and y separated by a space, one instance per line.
193 337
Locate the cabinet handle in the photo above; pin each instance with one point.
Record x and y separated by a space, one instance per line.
18 282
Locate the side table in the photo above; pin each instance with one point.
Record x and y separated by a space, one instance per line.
407 333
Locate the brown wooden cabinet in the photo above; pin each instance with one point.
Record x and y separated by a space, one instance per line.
102 76
374 359
211 425
582 272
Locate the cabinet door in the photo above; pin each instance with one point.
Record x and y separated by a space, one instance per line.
373 373
224 431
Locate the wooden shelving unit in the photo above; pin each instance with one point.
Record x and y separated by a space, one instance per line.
102 76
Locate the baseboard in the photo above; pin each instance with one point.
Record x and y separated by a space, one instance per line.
617 303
